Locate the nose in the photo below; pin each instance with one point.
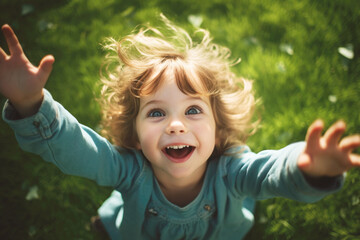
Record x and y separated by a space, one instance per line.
176 127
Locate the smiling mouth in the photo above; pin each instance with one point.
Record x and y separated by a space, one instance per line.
179 153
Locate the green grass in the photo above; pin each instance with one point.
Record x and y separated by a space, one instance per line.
315 81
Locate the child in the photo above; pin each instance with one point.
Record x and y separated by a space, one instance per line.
179 119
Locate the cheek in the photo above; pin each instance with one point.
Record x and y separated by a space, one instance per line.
206 132
139 132
148 144
146 136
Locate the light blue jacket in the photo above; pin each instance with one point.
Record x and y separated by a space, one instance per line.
222 210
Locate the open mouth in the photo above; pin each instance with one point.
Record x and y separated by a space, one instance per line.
179 153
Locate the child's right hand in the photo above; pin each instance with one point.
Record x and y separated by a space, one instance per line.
20 81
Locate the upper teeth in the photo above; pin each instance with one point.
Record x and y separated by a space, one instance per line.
177 147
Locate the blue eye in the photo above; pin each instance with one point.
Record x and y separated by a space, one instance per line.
155 113
193 110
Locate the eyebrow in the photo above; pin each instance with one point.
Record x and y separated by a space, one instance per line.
161 101
150 103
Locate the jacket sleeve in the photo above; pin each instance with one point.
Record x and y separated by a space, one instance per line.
274 173
55 135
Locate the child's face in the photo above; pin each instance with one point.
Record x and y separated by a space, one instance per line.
176 132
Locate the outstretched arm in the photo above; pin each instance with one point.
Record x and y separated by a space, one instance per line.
51 131
328 155
20 81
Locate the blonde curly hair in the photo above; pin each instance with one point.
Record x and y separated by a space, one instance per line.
137 65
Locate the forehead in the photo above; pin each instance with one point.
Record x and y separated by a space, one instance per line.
169 92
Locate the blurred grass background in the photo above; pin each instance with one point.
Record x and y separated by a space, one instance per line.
303 56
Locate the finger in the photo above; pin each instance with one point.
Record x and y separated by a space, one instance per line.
350 143
45 67
314 133
305 164
333 134
3 55
304 161
355 160
12 41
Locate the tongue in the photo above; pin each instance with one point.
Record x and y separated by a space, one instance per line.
178 153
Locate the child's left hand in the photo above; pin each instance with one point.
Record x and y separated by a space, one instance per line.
327 155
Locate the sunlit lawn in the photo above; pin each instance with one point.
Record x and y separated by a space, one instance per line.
302 55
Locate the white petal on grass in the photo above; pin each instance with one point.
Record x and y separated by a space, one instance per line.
195 20
281 67
33 193
287 48
347 51
332 98
355 200
251 41
26 9
45 25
